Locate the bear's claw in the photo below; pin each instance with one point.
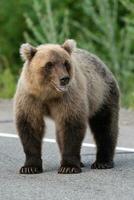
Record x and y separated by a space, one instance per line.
97 165
69 170
30 170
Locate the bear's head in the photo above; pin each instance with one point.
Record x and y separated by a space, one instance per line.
48 68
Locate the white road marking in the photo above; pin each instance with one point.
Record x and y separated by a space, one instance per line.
8 135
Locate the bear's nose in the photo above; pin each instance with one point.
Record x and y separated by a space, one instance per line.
64 80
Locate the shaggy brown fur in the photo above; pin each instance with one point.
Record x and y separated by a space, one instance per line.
74 88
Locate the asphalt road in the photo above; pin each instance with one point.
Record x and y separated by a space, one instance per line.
112 184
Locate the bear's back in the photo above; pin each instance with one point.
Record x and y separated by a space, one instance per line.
98 77
90 63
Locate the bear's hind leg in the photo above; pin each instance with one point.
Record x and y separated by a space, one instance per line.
104 126
70 137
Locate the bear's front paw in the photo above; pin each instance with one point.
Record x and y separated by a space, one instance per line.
69 170
30 170
107 165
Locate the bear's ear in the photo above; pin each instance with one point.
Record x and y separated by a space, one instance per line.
69 45
27 51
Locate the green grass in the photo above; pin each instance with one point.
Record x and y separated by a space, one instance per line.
7 84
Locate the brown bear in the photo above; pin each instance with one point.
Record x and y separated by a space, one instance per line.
74 88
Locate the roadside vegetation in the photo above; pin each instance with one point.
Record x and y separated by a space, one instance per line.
104 27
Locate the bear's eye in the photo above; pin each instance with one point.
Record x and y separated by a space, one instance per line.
66 64
49 65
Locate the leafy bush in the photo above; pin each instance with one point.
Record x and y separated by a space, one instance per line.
104 27
49 28
113 40
12 25
102 31
7 88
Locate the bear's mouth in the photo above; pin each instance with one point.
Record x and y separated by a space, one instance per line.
59 88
